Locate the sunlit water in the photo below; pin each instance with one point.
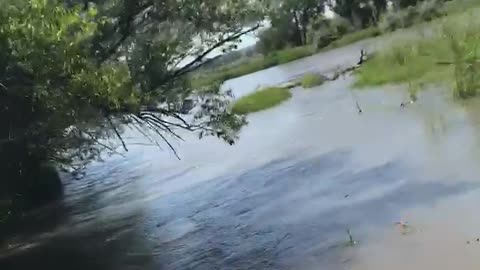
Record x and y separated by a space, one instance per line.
285 195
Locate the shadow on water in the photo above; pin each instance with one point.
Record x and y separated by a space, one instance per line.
115 247
86 230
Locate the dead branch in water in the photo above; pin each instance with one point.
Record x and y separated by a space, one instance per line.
363 59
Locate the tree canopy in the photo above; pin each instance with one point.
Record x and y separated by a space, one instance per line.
74 74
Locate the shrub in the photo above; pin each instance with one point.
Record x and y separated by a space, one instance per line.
341 26
271 39
423 11
429 10
322 32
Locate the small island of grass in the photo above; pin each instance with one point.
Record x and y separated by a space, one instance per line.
311 80
261 100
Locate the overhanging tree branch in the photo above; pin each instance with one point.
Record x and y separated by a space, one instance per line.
196 63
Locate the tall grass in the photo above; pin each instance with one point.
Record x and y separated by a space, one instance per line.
354 37
450 57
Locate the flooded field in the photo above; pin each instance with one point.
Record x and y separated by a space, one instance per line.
312 184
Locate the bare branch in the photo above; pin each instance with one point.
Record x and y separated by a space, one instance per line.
195 63
117 133
165 123
166 141
144 133
3 86
158 123
102 144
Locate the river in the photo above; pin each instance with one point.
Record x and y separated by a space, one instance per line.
301 178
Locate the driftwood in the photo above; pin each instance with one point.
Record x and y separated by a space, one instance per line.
363 59
337 74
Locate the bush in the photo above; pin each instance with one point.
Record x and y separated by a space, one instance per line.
429 10
341 26
322 32
423 11
261 100
311 80
271 39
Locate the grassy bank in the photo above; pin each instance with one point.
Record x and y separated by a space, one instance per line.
257 63
261 100
251 65
354 37
450 56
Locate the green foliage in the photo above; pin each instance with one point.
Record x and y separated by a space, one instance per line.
261 100
405 3
288 55
289 23
465 60
404 62
322 31
311 80
69 81
340 26
361 13
51 82
73 77
423 11
272 39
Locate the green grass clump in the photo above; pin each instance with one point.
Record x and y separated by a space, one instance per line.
311 80
291 54
261 100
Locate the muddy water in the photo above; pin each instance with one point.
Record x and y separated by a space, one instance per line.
285 195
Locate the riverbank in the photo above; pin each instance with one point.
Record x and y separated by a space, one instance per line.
257 63
385 27
448 56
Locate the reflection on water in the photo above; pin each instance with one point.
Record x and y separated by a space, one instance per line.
282 198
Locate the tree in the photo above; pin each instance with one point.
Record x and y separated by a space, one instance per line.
405 3
293 17
73 77
361 13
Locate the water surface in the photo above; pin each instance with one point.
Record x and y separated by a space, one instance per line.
285 195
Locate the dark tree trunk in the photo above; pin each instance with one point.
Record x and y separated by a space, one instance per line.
298 30
27 180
